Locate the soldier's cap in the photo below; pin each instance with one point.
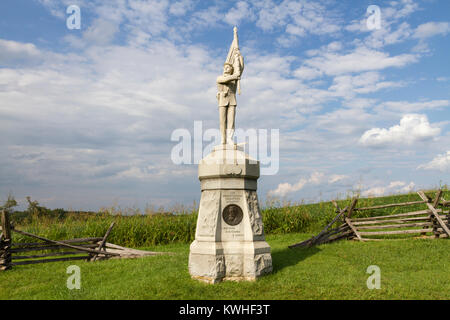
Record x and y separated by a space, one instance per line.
227 63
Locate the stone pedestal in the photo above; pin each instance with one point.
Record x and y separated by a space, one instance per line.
229 240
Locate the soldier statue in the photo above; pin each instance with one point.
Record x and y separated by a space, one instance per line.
226 87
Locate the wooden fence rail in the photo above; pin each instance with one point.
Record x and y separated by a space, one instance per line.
90 249
431 222
5 241
14 254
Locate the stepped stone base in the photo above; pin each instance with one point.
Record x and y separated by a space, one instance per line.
229 242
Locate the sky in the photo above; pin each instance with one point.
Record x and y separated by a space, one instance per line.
360 98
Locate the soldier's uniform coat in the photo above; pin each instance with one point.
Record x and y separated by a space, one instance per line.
226 92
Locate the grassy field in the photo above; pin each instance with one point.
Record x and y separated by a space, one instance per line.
410 269
154 228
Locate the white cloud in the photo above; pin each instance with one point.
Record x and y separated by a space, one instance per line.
58 7
208 17
441 163
307 73
285 188
335 46
314 179
180 8
361 59
101 32
240 12
412 128
428 30
407 7
343 121
12 52
262 97
405 106
393 187
408 188
389 34
348 85
139 21
403 32
431 29
374 192
336 178
393 30
298 18
396 184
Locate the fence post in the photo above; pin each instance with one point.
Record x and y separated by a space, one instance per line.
5 242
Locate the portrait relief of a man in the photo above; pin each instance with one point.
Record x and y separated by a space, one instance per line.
232 214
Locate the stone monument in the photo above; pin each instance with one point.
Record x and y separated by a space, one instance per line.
229 240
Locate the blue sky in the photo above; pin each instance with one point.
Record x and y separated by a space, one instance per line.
86 116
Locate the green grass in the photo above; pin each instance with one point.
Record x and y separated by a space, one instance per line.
163 228
410 269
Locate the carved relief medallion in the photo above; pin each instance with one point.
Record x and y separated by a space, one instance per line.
232 214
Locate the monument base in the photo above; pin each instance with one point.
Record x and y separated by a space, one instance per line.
213 262
229 242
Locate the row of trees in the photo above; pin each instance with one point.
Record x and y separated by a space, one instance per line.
34 210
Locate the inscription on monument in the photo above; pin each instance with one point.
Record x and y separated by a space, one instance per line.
232 214
232 196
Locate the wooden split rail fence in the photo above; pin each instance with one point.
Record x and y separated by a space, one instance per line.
90 249
431 222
